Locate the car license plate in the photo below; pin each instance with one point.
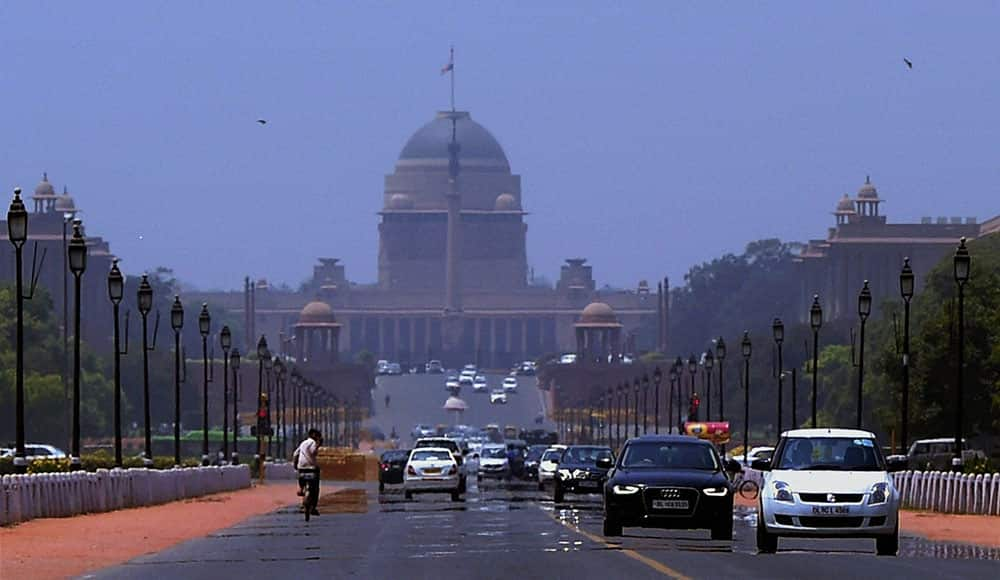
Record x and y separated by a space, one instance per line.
307 475
432 471
831 509
588 484
670 504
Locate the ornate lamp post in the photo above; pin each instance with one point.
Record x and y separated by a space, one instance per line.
692 370
645 402
815 321
720 355
268 368
204 327
962 264
116 291
657 379
279 393
177 323
635 415
709 365
672 375
678 378
17 231
77 265
262 355
745 349
906 283
145 302
226 342
864 310
621 405
778 333
235 363
611 418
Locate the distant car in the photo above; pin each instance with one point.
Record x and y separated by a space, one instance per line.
498 396
470 369
432 470
670 481
567 359
434 367
937 454
827 483
526 368
394 369
755 454
582 469
390 467
42 451
453 384
382 367
548 465
466 381
479 384
493 462
510 384
421 430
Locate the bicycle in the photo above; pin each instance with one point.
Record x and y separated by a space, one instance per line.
746 487
310 479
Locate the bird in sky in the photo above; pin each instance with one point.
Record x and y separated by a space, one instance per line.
908 63
262 121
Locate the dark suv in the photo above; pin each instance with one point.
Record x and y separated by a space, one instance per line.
669 481
582 469
450 445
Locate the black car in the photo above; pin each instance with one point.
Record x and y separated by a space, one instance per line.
582 469
669 481
531 460
390 467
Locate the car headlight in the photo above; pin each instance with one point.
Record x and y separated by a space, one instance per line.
782 492
580 474
625 489
879 494
719 491
565 474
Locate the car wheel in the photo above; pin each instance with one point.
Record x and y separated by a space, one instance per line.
723 530
381 487
558 494
541 486
479 478
408 494
888 545
767 543
455 496
612 527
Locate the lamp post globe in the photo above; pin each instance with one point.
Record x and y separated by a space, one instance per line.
17 220
116 283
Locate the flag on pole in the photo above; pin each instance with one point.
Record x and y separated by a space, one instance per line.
451 63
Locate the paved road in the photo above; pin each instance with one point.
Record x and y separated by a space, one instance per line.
519 533
420 398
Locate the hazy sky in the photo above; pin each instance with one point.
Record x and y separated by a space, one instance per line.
649 135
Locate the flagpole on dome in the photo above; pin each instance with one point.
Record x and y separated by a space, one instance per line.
450 68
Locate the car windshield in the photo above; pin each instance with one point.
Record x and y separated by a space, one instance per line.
670 456
430 456
584 454
551 455
830 454
438 443
494 453
534 453
395 455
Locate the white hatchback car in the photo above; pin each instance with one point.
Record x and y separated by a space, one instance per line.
827 483
431 470
498 396
510 384
479 384
548 465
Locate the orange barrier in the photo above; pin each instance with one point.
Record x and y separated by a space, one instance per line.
715 431
347 465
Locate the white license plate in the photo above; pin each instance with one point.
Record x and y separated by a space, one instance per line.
588 484
831 509
307 476
670 504
432 471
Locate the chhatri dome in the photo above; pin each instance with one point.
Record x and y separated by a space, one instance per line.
867 190
317 312
479 149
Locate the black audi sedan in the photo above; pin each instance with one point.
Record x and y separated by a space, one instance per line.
582 469
669 481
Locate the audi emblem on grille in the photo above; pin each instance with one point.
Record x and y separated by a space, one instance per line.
830 498
670 493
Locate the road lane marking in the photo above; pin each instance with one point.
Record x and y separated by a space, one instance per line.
655 565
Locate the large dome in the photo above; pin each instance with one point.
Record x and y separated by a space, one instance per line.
478 148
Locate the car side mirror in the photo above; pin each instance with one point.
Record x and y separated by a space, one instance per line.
761 464
733 466
897 463
605 462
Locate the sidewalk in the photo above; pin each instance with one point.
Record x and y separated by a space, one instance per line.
965 529
66 547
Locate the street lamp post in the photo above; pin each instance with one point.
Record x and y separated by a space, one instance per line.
235 363
815 321
77 265
657 379
17 230
672 374
279 390
268 370
962 264
618 426
177 323
745 348
778 332
145 303
635 415
864 310
204 327
262 355
645 402
678 377
116 291
720 355
709 365
226 341
692 370
906 283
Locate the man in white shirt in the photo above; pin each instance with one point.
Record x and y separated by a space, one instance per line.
305 459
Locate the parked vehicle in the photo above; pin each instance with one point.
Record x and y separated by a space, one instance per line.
937 454
827 483
432 470
391 466
669 481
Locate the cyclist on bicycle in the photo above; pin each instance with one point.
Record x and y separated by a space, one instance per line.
305 460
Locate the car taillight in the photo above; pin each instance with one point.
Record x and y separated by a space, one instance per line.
410 470
453 470
385 466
